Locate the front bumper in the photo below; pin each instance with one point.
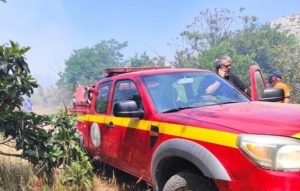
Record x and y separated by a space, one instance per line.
263 180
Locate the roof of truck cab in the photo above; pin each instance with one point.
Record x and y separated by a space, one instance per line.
157 71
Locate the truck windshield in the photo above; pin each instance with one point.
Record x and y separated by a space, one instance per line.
171 92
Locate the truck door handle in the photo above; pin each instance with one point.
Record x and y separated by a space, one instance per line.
110 125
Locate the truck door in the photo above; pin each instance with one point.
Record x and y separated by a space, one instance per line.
102 135
134 142
257 81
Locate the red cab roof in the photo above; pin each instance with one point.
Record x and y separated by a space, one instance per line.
115 71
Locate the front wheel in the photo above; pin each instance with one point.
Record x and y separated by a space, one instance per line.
189 181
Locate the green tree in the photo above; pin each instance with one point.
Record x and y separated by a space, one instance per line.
85 65
270 48
248 42
145 60
209 29
15 79
47 150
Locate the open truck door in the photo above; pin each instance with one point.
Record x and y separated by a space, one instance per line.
259 87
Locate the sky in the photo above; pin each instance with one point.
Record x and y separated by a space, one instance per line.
54 29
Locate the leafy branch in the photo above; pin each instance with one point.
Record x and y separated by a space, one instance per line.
56 146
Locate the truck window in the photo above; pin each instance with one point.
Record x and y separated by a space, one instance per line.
102 97
127 90
182 90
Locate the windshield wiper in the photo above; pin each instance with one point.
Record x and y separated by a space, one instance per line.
229 102
177 109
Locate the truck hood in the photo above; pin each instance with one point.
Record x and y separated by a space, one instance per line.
249 117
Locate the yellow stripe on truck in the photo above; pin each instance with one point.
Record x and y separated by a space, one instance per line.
92 118
189 132
201 134
129 122
296 135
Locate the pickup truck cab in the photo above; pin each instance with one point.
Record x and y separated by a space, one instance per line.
162 125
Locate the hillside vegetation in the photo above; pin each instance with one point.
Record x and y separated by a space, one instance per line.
289 24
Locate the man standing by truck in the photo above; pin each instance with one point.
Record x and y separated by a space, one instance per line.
223 66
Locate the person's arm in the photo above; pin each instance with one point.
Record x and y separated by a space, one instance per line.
212 88
287 93
208 85
248 92
286 100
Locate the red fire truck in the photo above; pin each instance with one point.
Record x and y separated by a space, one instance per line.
162 125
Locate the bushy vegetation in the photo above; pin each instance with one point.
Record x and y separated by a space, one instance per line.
45 148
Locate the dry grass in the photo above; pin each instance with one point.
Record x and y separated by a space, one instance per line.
15 173
18 174
120 179
101 185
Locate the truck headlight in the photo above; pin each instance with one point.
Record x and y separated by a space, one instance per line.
271 152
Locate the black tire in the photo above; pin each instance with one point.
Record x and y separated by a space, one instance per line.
189 181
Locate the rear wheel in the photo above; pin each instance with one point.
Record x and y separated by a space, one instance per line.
189 181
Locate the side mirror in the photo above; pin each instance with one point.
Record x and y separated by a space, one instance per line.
127 108
272 95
